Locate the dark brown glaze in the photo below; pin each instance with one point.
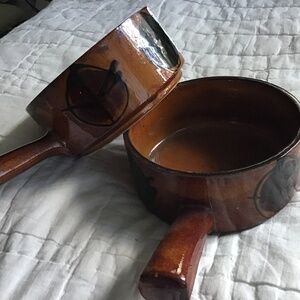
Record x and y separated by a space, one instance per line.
213 146
23 158
106 90
254 182
231 190
109 87
94 104
163 277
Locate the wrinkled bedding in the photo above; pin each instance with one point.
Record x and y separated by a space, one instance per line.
75 228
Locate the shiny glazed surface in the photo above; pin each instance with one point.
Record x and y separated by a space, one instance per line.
215 145
246 180
99 96
111 86
217 155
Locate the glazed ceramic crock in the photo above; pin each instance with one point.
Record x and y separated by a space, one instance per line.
218 155
100 95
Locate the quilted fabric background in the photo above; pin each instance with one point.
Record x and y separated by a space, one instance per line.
75 229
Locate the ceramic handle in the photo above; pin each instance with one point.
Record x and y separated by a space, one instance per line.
21 159
171 271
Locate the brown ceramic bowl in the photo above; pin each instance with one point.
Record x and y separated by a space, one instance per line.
218 155
100 95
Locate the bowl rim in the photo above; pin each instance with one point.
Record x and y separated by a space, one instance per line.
282 153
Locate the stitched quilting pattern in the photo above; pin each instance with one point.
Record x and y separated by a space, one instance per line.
75 229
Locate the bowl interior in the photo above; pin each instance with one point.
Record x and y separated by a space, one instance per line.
218 124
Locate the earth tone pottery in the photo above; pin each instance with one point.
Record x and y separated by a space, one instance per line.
218 155
99 96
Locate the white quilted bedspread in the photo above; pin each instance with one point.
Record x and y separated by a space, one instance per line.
75 229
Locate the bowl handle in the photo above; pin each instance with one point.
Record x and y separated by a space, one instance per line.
171 271
21 159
